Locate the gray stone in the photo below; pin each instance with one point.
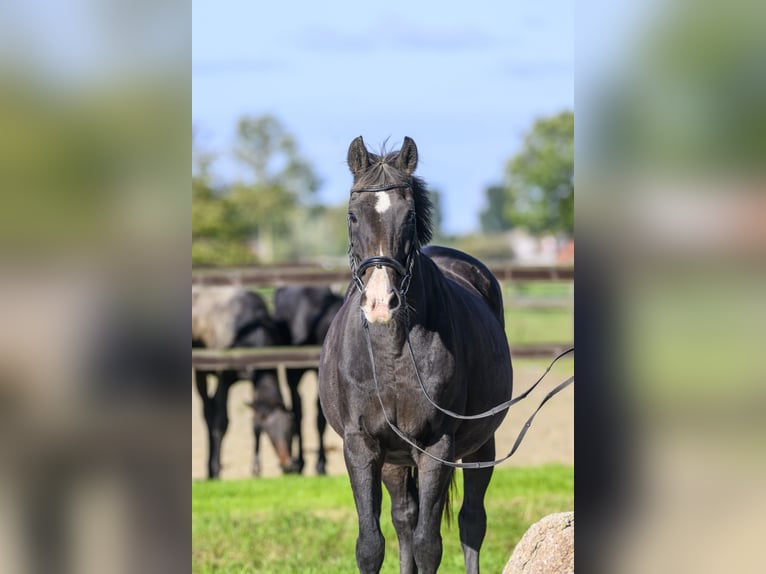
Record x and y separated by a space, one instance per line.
546 548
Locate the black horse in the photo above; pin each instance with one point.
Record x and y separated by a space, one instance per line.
415 321
306 312
227 317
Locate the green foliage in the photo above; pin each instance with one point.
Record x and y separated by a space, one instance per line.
300 524
538 191
485 247
271 153
260 213
538 324
691 101
219 232
280 181
493 218
319 231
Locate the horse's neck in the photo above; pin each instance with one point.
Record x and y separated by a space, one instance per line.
426 296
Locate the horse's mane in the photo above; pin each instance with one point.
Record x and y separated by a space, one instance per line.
383 170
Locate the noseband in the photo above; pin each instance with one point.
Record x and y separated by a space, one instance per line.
380 261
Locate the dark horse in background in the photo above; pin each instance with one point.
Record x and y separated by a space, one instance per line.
228 317
448 307
306 313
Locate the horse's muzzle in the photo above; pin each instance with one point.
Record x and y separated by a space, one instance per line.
380 299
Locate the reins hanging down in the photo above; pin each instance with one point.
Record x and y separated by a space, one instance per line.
490 412
493 410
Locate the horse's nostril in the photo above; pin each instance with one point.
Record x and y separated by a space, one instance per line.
394 302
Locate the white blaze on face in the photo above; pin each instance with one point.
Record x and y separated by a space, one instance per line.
377 297
382 201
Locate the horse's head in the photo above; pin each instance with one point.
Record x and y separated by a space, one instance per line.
389 218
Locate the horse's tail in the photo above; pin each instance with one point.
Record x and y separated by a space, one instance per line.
448 502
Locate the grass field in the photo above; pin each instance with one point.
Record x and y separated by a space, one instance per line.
524 325
308 525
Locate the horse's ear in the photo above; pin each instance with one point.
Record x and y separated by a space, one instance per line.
358 158
408 156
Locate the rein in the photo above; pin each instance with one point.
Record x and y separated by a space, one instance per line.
490 412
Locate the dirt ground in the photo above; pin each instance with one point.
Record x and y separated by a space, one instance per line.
550 439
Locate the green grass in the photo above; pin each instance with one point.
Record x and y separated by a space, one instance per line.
527 325
308 525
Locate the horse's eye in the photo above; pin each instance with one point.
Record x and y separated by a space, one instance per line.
351 218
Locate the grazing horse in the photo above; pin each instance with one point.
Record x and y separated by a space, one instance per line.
306 312
415 320
227 317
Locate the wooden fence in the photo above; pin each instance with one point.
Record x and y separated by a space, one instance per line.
281 275
308 357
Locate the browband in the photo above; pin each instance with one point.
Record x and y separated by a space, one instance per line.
381 187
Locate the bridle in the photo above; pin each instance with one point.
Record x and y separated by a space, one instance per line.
405 272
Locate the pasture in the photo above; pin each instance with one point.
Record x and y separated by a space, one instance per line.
308 525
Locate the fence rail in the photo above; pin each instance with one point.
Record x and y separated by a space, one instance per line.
281 275
308 357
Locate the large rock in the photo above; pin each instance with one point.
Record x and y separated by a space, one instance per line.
546 548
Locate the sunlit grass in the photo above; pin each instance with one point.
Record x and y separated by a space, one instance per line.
301 524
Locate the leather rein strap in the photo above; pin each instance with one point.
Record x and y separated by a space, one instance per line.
490 412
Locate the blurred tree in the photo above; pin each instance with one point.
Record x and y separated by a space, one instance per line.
538 191
219 234
280 181
540 179
320 233
262 216
492 218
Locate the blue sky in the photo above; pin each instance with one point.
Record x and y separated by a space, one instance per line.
465 82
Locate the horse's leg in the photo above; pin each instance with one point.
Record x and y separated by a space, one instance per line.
321 426
257 450
364 460
293 379
433 487
208 410
219 422
473 518
402 487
